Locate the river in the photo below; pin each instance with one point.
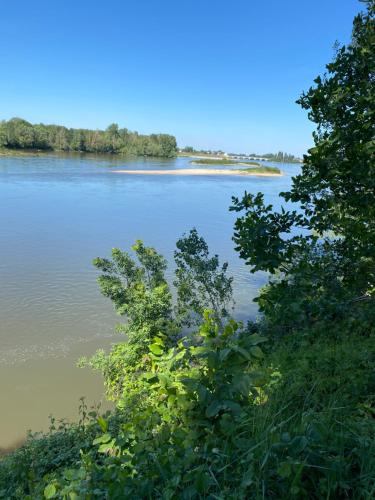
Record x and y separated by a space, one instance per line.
58 212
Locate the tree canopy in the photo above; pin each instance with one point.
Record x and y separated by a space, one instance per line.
20 134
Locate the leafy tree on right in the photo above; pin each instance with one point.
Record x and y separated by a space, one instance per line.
322 257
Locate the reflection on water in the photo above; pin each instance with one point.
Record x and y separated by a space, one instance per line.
57 214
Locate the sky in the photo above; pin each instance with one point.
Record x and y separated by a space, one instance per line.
216 74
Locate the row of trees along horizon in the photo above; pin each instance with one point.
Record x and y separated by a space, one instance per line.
18 133
208 408
280 156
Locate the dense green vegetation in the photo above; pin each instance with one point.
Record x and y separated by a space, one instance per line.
20 134
210 408
221 161
262 170
254 167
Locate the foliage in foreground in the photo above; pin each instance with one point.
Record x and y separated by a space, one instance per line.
139 292
222 422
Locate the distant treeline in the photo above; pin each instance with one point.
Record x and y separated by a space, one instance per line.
20 134
279 157
211 152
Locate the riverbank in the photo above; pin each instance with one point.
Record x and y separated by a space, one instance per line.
20 152
6 152
200 172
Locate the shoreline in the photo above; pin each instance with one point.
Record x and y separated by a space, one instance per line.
59 152
196 171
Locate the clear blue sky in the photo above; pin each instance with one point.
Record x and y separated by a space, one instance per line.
216 74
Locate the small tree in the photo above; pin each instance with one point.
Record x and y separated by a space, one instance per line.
200 281
140 293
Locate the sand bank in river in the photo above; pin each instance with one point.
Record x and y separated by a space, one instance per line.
197 171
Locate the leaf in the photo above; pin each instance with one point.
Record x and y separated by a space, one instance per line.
103 424
242 384
224 354
70 474
104 448
284 469
156 349
164 379
257 352
257 339
179 355
196 351
213 409
202 481
50 491
102 439
149 376
232 405
242 351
